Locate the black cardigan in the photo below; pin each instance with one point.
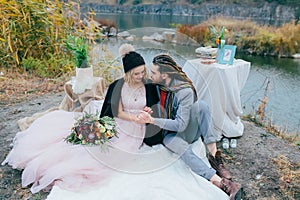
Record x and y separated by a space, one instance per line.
111 104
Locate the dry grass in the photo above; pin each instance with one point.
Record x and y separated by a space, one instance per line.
290 177
16 87
248 36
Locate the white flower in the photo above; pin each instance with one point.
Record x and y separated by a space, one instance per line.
108 127
97 142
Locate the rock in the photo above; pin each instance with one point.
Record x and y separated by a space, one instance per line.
147 38
168 36
130 38
113 32
123 34
155 36
296 56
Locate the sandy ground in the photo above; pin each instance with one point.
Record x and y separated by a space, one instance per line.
265 165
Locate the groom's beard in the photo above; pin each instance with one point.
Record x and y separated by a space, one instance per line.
163 82
160 82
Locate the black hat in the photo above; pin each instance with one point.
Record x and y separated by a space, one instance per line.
132 60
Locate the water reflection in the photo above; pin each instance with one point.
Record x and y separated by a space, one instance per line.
287 65
130 21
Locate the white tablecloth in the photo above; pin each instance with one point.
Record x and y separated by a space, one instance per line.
220 86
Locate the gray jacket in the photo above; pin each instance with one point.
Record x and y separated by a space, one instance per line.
181 107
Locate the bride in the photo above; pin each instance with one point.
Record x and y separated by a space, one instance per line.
130 170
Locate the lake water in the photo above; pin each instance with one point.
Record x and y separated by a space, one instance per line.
281 76
130 21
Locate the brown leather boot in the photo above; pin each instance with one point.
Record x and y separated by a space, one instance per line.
234 190
217 163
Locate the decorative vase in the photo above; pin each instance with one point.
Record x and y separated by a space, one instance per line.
222 43
220 47
83 80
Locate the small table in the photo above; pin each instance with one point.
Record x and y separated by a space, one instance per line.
220 86
77 102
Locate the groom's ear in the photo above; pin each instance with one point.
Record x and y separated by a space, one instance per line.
164 76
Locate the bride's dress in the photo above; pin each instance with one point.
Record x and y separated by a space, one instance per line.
126 171
172 181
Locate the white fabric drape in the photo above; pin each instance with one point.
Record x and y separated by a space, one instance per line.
220 86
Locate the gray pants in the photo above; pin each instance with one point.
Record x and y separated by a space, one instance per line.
180 143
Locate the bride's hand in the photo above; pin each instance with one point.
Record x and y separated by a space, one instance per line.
148 110
141 118
145 117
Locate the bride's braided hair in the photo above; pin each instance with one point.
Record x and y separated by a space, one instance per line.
169 66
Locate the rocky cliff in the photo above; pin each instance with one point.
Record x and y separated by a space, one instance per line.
269 13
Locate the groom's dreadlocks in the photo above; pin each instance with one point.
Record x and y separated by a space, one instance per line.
168 65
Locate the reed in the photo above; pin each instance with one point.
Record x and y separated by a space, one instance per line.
32 35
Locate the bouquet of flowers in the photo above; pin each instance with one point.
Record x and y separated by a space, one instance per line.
90 129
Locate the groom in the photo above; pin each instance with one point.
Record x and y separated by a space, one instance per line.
183 120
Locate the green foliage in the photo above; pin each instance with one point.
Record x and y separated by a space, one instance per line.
283 2
195 1
218 34
298 143
174 25
52 67
78 47
37 196
136 2
34 31
121 2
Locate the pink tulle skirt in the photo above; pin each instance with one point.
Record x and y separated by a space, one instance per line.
46 159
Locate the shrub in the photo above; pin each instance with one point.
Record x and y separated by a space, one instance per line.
136 2
281 41
199 33
51 67
33 32
78 47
